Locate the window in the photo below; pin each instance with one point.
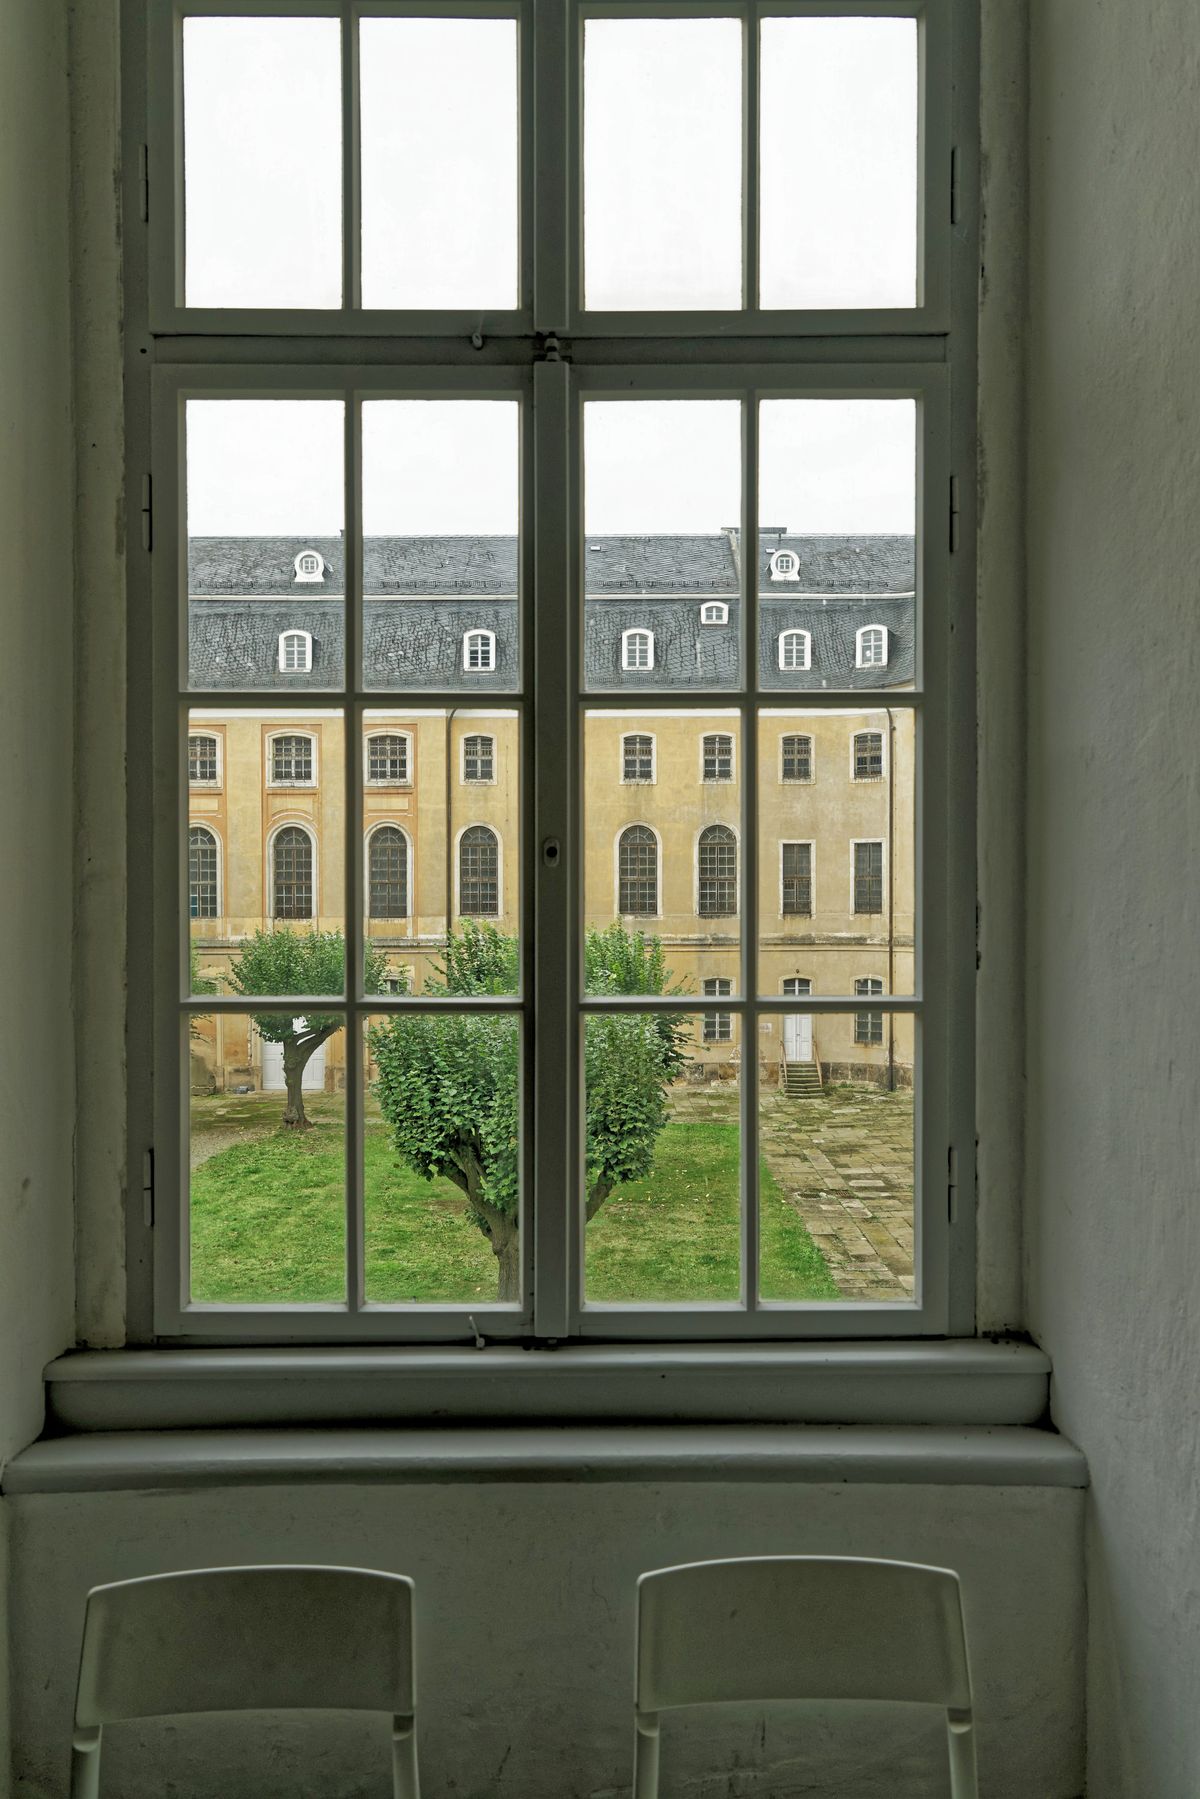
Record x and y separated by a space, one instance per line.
871 646
203 894
716 857
868 755
479 758
795 650
637 757
637 649
292 873
479 873
868 1026
714 612
718 1026
797 879
295 653
637 873
785 566
479 651
868 877
387 759
309 566
203 762
292 760
796 758
717 757
387 873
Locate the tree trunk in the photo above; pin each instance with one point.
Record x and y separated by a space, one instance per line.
506 1247
296 1053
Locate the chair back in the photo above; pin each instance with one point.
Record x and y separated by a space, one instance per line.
800 1627
247 1639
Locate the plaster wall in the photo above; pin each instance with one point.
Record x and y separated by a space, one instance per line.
526 1631
1113 1226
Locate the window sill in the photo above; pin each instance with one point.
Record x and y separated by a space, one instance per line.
965 1383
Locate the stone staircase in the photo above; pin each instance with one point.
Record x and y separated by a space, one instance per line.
802 1080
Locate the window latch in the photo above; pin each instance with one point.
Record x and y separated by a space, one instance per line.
148 1189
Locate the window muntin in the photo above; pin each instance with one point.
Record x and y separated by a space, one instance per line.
479 758
293 887
868 1026
637 873
293 759
478 873
204 894
388 759
716 872
637 757
795 650
868 877
387 873
868 755
295 652
716 757
797 883
204 759
637 650
796 757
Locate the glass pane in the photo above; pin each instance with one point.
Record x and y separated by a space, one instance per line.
662 1172
441 490
836 865
265 852
662 159
439 163
836 1156
442 1159
266 546
662 851
662 494
262 135
268 1158
441 822
836 548
838 163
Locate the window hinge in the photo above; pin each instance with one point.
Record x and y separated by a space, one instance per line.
148 1189
953 536
144 183
954 162
147 514
952 1184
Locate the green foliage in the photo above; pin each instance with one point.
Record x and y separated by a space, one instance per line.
482 961
300 962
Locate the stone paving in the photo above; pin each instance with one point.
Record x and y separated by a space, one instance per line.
845 1161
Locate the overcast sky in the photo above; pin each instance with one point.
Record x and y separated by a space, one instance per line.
663 224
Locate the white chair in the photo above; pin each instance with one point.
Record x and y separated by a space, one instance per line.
801 1627
247 1639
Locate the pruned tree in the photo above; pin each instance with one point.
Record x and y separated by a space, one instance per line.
281 962
448 1086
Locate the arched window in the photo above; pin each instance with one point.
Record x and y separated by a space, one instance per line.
785 566
204 900
479 758
868 755
717 757
868 1026
717 868
479 873
637 649
292 762
387 873
295 652
292 873
387 759
714 612
797 758
310 566
795 650
637 872
479 651
203 765
871 646
637 757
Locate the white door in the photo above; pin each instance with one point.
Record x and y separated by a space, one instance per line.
272 1067
797 1028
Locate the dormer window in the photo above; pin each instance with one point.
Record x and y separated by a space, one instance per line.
871 646
310 566
785 566
295 653
714 612
479 652
795 650
637 649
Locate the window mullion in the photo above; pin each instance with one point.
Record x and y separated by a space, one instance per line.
352 752
749 847
351 163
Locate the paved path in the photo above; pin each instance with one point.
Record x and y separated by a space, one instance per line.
845 1162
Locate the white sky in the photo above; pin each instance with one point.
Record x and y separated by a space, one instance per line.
663 212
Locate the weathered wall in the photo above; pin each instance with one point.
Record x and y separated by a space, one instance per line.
525 1627
1114 901
36 1057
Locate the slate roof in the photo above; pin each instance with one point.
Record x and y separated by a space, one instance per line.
423 594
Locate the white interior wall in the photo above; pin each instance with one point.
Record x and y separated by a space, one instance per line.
1113 1229
36 808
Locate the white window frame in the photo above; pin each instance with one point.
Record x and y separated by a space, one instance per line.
465 780
795 634
636 781
204 824
723 825
717 986
477 634
719 608
798 780
719 780
869 731
277 826
316 574
369 735
305 638
218 738
284 785
785 566
237 355
861 636
636 633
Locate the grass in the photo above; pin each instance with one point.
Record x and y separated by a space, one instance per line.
268 1220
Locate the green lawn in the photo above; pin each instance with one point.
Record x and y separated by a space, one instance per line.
268 1221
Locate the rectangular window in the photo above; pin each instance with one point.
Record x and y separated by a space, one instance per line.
554 633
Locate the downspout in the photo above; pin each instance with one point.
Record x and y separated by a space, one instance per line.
891 837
